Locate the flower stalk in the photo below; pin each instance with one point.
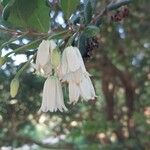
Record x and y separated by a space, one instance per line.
14 85
12 40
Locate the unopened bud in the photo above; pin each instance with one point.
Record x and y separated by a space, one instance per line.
14 86
2 61
55 58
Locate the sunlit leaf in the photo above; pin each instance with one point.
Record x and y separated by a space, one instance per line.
88 11
91 31
4 2
82 42
68 7
28 14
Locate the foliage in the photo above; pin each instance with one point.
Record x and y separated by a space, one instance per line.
27 14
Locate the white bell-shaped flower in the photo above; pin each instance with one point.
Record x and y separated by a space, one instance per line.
73 71
52 96
75 76
43 60
87 89
74 92
71 61
84 89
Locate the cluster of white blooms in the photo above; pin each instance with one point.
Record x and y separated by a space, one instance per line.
69 68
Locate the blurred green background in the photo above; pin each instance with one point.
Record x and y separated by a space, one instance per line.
119 119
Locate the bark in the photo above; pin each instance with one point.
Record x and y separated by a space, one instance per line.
111 72
108 90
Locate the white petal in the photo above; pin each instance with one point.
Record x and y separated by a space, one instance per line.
64 65
47 69
80 59
78 75
72 59
87 89
43 54
52 45
73 76
47 96
52 96
59 72
71 62
59 98
74 92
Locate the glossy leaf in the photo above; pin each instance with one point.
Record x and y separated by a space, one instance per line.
4 2
28 14
6 11
91 31
88 11
68 7
82 44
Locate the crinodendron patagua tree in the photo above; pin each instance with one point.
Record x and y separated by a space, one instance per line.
57 37
55 45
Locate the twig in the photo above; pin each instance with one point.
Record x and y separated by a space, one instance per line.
15 32
12 40
24 66
110 7
117 5
29 44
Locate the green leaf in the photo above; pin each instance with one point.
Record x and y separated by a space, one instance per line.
82 42
69 6
2 61
93 3
4 2
91 31
6 11
88 11
33 14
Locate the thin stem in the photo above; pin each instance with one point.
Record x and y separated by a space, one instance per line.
28 62
11 31
117 5
71 39
110 7
12 40
25 46
29 44
24 66
58 34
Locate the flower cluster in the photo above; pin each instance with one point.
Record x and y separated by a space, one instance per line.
69 68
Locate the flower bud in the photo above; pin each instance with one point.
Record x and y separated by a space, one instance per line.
14 86
46 50
2 61
55 58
